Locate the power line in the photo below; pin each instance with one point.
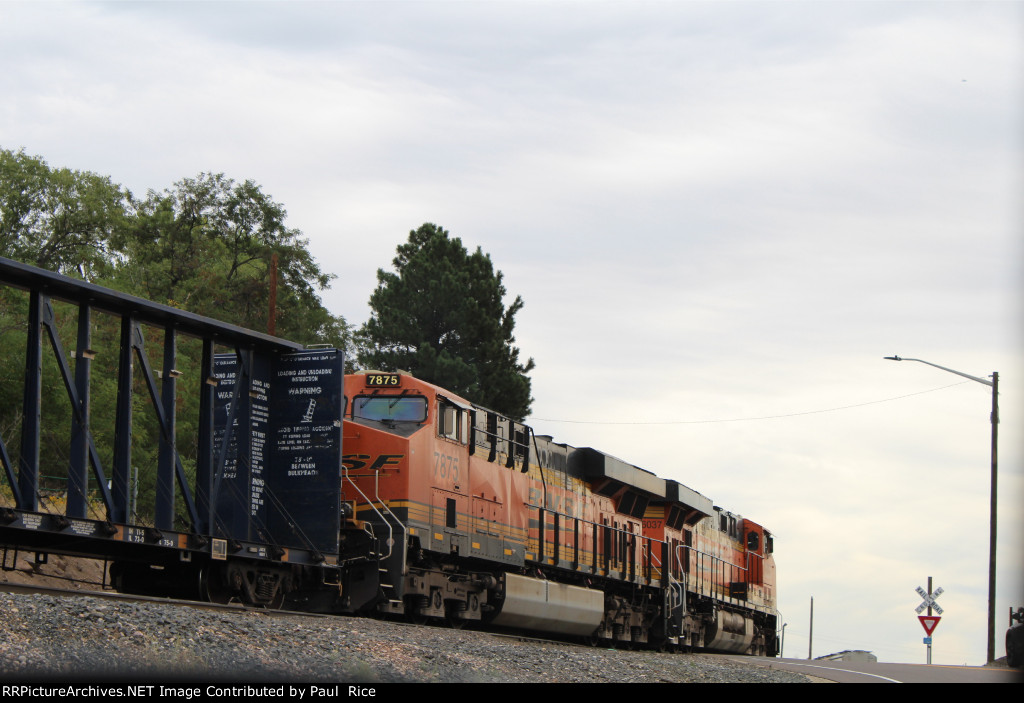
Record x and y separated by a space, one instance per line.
748 419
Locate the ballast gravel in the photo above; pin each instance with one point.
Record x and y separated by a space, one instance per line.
44 637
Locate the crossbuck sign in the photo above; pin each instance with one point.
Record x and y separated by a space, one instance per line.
929 600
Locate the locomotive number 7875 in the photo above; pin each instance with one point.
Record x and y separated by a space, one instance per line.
446 467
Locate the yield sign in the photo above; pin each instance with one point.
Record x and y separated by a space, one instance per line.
928 622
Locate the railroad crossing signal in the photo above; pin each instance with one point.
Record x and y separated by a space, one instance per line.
929 602
929 621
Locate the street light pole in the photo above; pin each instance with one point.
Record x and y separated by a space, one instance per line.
994 384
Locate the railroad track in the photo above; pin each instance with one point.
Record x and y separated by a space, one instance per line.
203 640
131 598
240 608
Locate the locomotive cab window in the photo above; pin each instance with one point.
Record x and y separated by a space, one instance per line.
390 408
450 423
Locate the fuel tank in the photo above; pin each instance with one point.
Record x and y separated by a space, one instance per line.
536 604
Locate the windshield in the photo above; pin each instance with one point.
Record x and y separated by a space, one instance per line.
393 408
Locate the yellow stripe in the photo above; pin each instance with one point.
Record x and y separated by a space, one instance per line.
420 512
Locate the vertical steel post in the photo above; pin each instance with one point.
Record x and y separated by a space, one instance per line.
78 469
28 462
204 458
164 513
121 477
810 639
929 659
992 521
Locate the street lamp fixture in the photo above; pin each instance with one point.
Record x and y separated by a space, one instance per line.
994 384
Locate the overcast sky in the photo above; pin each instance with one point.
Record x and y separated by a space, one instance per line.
720 216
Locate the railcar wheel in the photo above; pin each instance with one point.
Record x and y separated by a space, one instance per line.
277 601
211 588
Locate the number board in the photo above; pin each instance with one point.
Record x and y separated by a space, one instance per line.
383 380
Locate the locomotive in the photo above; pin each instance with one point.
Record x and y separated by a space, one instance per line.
470 517
364 493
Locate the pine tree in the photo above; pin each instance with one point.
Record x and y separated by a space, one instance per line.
441 316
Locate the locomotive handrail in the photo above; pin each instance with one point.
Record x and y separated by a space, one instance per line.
715 560
377 499
652 557
376 494
649 559
627 561
712 556
677 588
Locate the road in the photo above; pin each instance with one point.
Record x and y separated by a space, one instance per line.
878 672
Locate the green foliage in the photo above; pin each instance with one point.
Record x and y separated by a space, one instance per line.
57 219
206 245
441 316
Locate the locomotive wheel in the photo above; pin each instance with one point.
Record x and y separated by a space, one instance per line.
455 622
413 606
616 641
453 612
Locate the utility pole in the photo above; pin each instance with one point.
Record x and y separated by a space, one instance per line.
810 639
993 502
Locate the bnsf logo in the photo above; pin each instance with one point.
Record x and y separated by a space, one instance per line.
354 462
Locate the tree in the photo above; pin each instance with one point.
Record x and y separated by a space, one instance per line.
441 316
57 219
206 245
